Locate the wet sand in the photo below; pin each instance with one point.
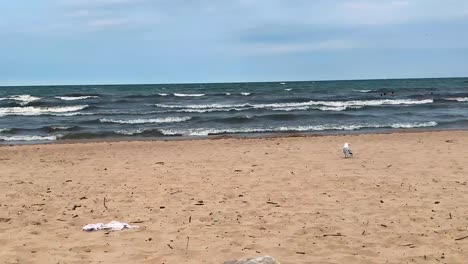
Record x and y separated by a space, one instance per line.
403 198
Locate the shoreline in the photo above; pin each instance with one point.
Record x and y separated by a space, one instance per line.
231 136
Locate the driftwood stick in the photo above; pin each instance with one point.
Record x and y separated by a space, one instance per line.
188 240
461 238
105 203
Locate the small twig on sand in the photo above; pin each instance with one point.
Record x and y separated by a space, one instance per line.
105 203
188 240
170 246
461 238
337 234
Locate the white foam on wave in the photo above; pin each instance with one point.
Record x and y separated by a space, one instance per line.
354 103
245 94
73 98
70 114
147 121
24 98
4 129
215 131
34 111
61 127
288 109
188 95
162 94
203 106
321 105
458 99
130 132
414 125
206 110
228 93
363 91
30 138
288 89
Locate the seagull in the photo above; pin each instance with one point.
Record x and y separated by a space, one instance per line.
347 151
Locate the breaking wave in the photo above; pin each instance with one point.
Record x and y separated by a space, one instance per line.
320 105
33 111
147 121
458 99
214 131
29 138
188 95
23 99
73 98
363 91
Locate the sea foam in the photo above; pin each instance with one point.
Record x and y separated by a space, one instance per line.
146 121
29 138
347 127
34 111
188 95
73 98
24 99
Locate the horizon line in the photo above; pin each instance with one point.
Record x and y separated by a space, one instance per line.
232 82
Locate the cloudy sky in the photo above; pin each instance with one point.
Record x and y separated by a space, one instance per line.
167 41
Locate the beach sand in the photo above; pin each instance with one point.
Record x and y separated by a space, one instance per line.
403 198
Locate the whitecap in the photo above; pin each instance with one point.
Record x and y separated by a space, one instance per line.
29 138
24 99
334 105
288 89
70 114
363 91
458 99
73 98
33 111
61 127
146 121
163 94
414 124
347 127
245 94
189 95
129 132
288 109
204 106
206 110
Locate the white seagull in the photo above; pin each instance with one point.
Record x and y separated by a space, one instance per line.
347 151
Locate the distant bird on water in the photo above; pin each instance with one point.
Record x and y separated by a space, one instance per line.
347 151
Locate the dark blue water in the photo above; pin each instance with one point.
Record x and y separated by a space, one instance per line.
47 113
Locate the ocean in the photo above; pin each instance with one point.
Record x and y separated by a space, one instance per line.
36 114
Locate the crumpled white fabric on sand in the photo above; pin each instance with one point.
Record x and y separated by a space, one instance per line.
113 226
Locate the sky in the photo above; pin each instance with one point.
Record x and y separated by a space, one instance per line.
178 41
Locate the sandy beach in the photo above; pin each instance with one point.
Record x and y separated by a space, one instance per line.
401 199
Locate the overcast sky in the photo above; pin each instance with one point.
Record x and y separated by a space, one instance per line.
173 41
